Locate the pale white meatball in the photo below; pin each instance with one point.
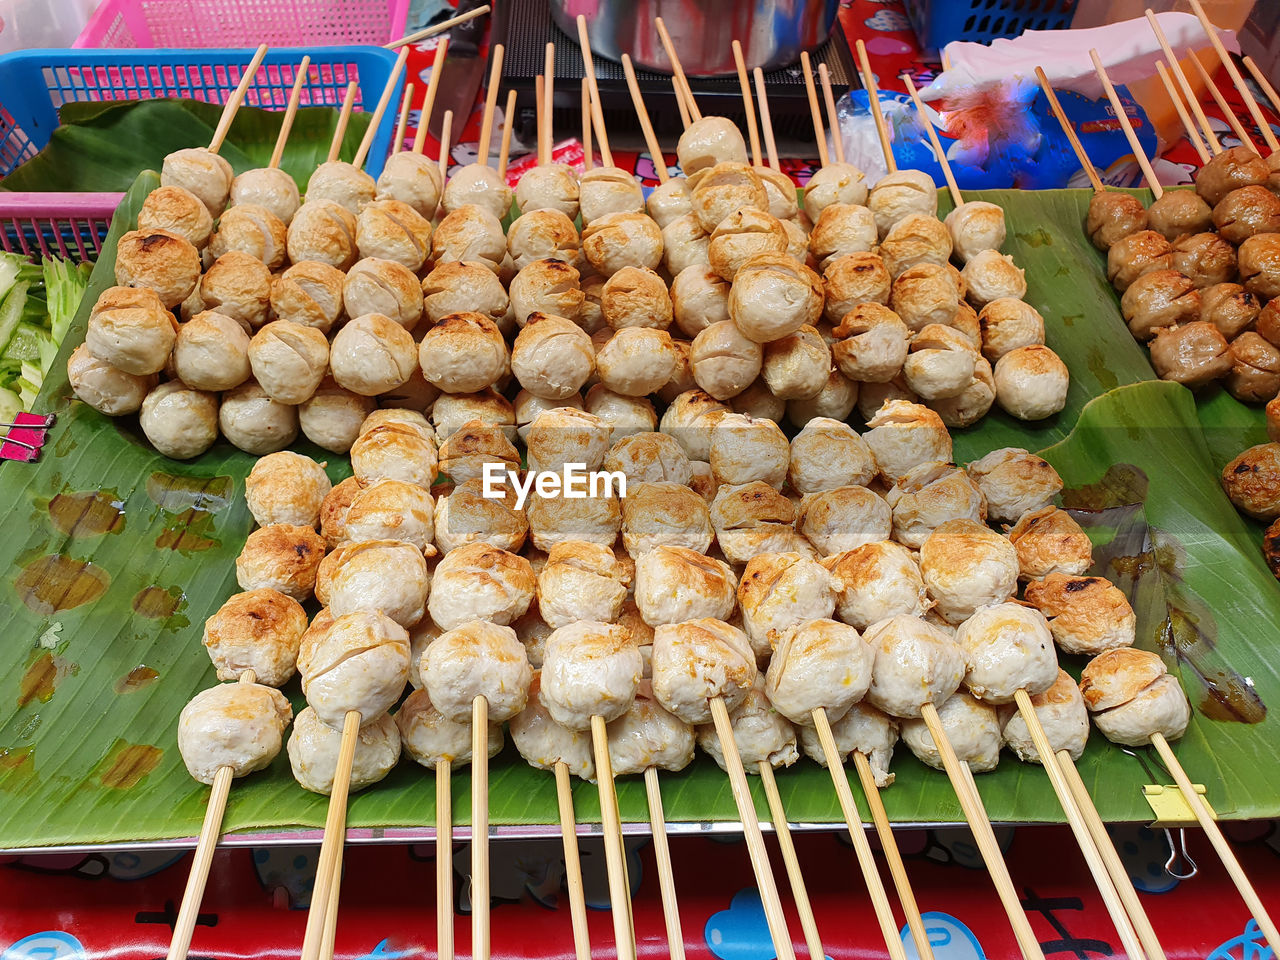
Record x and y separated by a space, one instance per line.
236 725
177 210
863 729
1031 382
479 185
324 232
780 591
342 183
288 360
876 581
387 576
313 752
372 354
392 510
254 422
772 296
648 736
1050 541
589 669
360 663
941 363
429 737
669 201
724 360
796 367
744 449
543 743
903 434
603 191
708 141
286 487
685 244
202 172
212 352
557 519
542 235
463 353
759 403
915 663
843 228
1014 482
1008 648
1161 707
966 566
898 195
474 445
1062 714
971 726
760 734
990 275
565 435
697 661
413 179
477 659
394 451
636 361
843 518
581 581
820 664
664 514
394 231
625 416
699 298
480 581
180 422
107 389
553 186
648 457
871 343
675 584
470 234
834 183
690 419
975 226
1007 324
929 494
834 401
383 287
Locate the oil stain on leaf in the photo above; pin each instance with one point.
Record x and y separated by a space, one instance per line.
57 582
89 513
128 764
42 678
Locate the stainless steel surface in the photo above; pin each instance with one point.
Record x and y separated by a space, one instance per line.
773 33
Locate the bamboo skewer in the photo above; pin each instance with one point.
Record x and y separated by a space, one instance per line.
677 71
799 891
335 830
815 112
438 28
397 143
983 835
381 108
1070 132
597 115
753 133
615 853
1219 842
934 142
889 847
210 830
236 99
429 97
446 133
873 94
751 832
572 864
833 118
509 119
1264 84
490 105
480 929
540 94
766 124
646 127
1233 71
444 859
588 161
1225 108
330 935
662 857
1116 867
546 107
685 119
1126 126
1084 839
857 833
1188 94
344 117
1193 135
290 112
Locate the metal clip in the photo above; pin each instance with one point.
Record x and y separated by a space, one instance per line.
1192 868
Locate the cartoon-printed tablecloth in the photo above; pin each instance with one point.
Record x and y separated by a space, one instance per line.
122 906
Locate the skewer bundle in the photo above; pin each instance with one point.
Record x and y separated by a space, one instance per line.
466 596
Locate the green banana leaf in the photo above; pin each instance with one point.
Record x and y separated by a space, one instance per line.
104 145
99 657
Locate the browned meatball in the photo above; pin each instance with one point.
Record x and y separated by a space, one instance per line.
1230 170
1229 307
1113 215
1252 481
1177 212
1204 257
1157 299
1259 259
1192 354
1132 256
1268 322
1271 548
1255 368
1250 210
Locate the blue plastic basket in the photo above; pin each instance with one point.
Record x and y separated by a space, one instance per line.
35 83
938 22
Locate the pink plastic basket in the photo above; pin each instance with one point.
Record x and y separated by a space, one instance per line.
68 225
238 23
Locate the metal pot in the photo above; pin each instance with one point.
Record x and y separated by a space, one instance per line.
773 33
